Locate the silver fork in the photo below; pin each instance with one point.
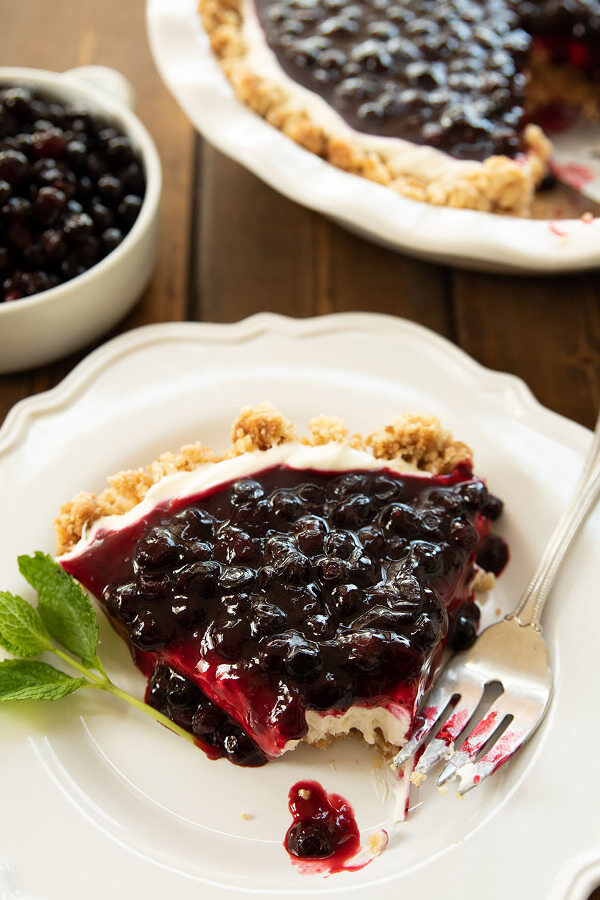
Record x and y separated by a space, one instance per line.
510 660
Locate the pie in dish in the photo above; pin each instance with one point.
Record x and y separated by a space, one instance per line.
295 588
437 100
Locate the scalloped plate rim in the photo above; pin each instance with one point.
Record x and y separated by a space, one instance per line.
247 329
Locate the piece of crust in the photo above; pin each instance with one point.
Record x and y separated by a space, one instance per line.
421 441
418 440
499 184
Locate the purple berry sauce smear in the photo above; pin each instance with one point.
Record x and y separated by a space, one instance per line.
323 837
292 590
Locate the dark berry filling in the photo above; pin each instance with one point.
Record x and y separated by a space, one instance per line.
451 75
288 591
464 625
184 703
323 828
492 554
71 187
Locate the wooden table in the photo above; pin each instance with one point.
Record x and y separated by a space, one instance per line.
230 246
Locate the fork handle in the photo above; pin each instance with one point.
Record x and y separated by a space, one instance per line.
528 610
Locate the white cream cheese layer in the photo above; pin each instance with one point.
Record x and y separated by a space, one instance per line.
392 725
403 157
332 457
368 721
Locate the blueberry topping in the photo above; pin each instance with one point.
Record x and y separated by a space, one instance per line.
463 630
148 631
492 554
235 577
122 601
451 75
474 495
463 533
339 543
303 661
493 508
310 534
238 747
292 568
335 590
188 613
156 551
400 519
180 699
180 692
266 619
207 719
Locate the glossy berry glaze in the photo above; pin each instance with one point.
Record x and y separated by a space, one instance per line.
324 835
288 591
451 75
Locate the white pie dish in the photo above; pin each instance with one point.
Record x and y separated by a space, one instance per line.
41 328
91 781
461 237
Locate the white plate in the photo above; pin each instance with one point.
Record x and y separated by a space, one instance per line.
464 237
100 802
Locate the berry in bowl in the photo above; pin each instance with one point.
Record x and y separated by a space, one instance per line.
80 183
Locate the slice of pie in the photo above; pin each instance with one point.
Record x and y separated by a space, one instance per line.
437 100
294 589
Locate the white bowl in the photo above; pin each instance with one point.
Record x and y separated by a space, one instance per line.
53 323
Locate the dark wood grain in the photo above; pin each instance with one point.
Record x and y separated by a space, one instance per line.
546 330
260 251
112 33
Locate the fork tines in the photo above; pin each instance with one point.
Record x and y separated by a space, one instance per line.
449 715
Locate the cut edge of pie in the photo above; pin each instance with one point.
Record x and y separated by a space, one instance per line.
498 184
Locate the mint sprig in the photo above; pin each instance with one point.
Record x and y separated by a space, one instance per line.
22 631
63 606
63 624
28 679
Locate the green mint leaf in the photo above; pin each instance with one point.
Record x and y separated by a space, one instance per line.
22 631
27 679
64 607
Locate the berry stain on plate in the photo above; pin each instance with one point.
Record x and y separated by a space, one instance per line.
324 837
